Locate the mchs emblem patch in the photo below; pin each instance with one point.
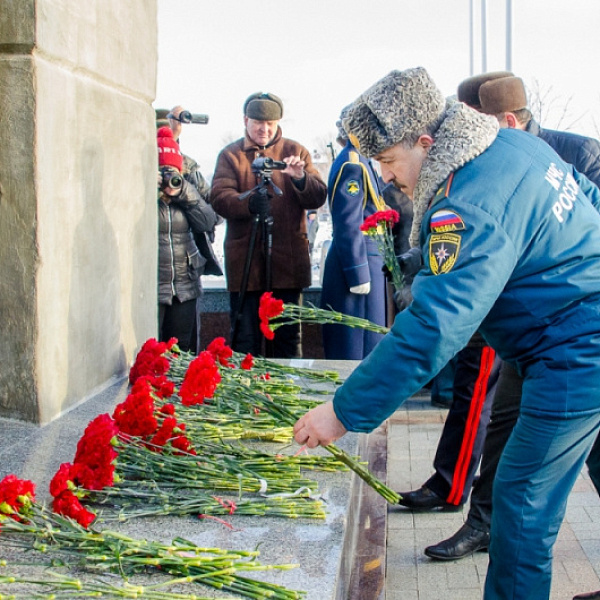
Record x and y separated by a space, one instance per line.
443 252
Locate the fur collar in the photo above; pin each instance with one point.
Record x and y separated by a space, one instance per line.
463 135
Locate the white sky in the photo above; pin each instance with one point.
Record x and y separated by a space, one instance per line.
319 55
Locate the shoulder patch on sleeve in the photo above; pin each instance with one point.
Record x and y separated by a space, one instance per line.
353 187
444 220
443 252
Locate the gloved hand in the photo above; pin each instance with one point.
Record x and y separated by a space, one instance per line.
403 297
362 289
387 274
410 262
259 204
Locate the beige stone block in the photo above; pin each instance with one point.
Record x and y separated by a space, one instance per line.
78 217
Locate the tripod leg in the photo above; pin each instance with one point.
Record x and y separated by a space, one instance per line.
268 243
244 285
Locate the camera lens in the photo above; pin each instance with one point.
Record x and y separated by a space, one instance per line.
185 116
175 182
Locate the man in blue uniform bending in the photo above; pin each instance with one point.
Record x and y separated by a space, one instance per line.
509 235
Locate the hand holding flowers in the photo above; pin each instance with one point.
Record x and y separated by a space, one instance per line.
378 226
319 427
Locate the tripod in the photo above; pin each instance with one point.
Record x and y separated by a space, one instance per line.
265 220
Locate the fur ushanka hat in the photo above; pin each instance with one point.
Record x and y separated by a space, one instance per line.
468 90
503 95
263 107
400 104
342 133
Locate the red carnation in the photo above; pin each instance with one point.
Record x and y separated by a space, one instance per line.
93 465
165 432
221 351
384 217
67 504
182 443
268 309
62 478
16 496
248 362
150 360
135 416
201 380
161 386
378 226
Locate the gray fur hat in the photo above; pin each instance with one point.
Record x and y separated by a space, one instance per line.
342 133
401 104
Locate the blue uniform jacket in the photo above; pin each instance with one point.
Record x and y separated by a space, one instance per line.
511 246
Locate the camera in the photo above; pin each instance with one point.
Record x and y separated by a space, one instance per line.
171 179
185 116
267 164
263 166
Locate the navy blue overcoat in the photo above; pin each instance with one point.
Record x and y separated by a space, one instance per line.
353 258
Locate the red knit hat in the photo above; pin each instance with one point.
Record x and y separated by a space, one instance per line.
169 154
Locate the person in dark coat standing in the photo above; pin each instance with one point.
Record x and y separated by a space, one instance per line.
302 189
175 119
353 279
182 212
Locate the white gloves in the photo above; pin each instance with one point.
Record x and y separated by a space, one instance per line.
363 288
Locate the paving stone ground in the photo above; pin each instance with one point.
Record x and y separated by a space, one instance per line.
413 433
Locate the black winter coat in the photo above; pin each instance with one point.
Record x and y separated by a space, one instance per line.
180 264
580 151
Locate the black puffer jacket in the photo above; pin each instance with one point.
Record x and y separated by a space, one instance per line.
580 151
180 264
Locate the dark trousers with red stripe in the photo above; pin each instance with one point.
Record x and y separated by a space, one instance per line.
461 444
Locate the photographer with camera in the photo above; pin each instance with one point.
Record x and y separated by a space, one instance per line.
284 259
182 213
175 119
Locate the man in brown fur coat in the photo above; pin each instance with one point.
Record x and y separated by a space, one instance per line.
285 262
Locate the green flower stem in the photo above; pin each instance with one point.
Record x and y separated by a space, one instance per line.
385 245
180 363
383 490
62 586
208 472
135 505
288 416
293 314
116 551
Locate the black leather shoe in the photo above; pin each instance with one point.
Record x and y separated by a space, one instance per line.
464 542
425 499
588 596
